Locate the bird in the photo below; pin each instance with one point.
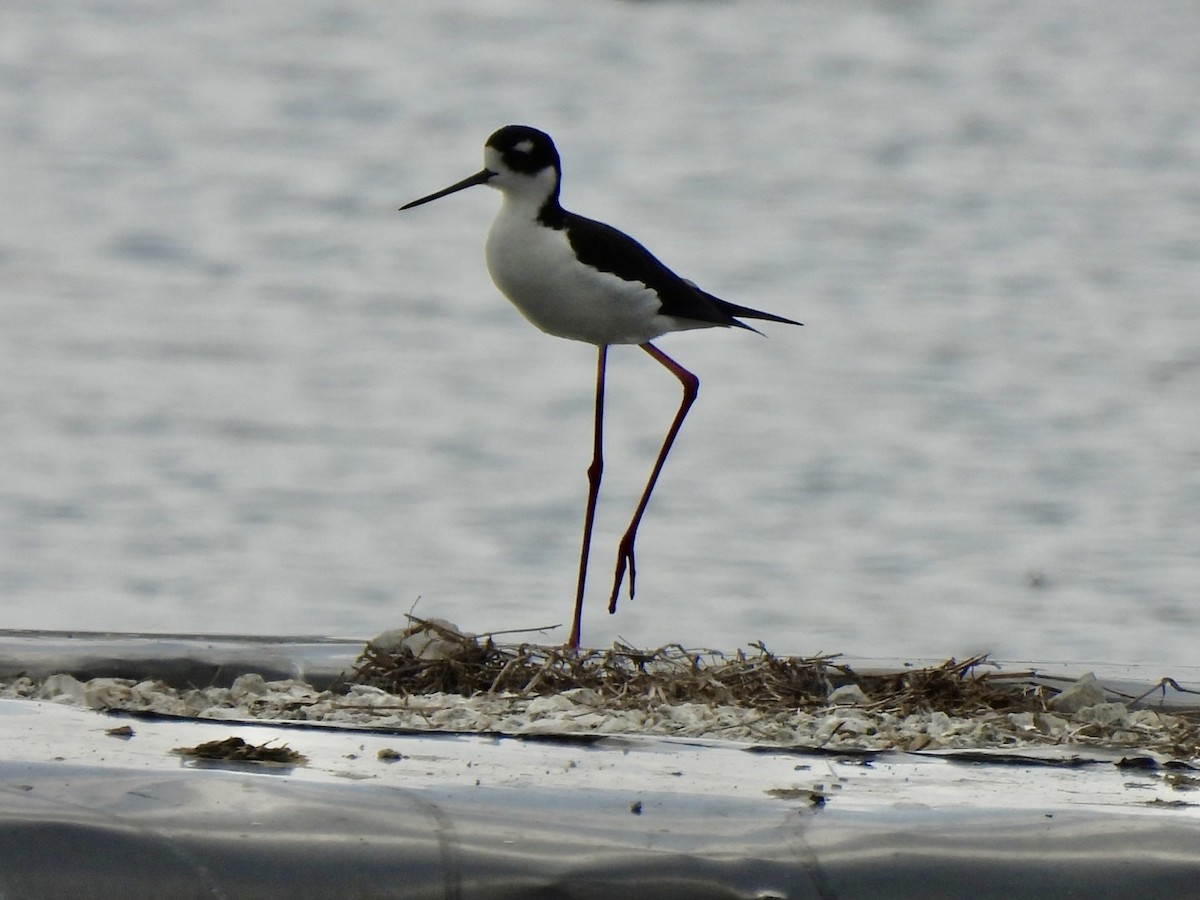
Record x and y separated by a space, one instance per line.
580 279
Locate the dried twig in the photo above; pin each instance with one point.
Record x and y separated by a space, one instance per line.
625 677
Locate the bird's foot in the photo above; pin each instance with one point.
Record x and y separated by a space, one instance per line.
624 558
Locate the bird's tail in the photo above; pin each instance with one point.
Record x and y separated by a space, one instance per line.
746 312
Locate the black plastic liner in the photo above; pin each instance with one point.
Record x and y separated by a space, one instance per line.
85 813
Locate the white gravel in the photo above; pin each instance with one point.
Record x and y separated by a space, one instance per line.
844 724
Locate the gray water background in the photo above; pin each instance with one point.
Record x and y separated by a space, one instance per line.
240 392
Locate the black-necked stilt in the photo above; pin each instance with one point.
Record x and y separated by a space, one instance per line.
581 279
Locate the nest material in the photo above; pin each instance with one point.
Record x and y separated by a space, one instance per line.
624 677
234 749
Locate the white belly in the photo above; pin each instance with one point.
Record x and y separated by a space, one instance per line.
535 268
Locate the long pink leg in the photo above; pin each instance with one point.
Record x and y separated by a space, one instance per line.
691 385
595 470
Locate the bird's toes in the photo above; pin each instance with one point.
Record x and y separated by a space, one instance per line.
625 562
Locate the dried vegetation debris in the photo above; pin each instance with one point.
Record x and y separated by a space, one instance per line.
622 676
235 749
756 695
431 676
408 663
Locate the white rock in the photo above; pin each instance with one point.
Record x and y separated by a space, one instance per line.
389 641
548 705
546 726
1086 691
62 689
847 723
847 695
108 693
938 725
1104 714
247 687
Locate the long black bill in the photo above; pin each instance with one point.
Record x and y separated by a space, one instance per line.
478 178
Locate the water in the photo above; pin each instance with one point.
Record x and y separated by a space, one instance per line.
239 392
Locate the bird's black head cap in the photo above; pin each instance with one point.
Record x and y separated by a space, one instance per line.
525 149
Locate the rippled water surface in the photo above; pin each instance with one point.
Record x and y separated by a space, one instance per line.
240 392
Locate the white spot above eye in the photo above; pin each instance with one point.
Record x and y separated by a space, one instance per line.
524 146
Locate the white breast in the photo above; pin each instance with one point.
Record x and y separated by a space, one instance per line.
535 268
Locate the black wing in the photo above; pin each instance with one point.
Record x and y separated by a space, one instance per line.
609 250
